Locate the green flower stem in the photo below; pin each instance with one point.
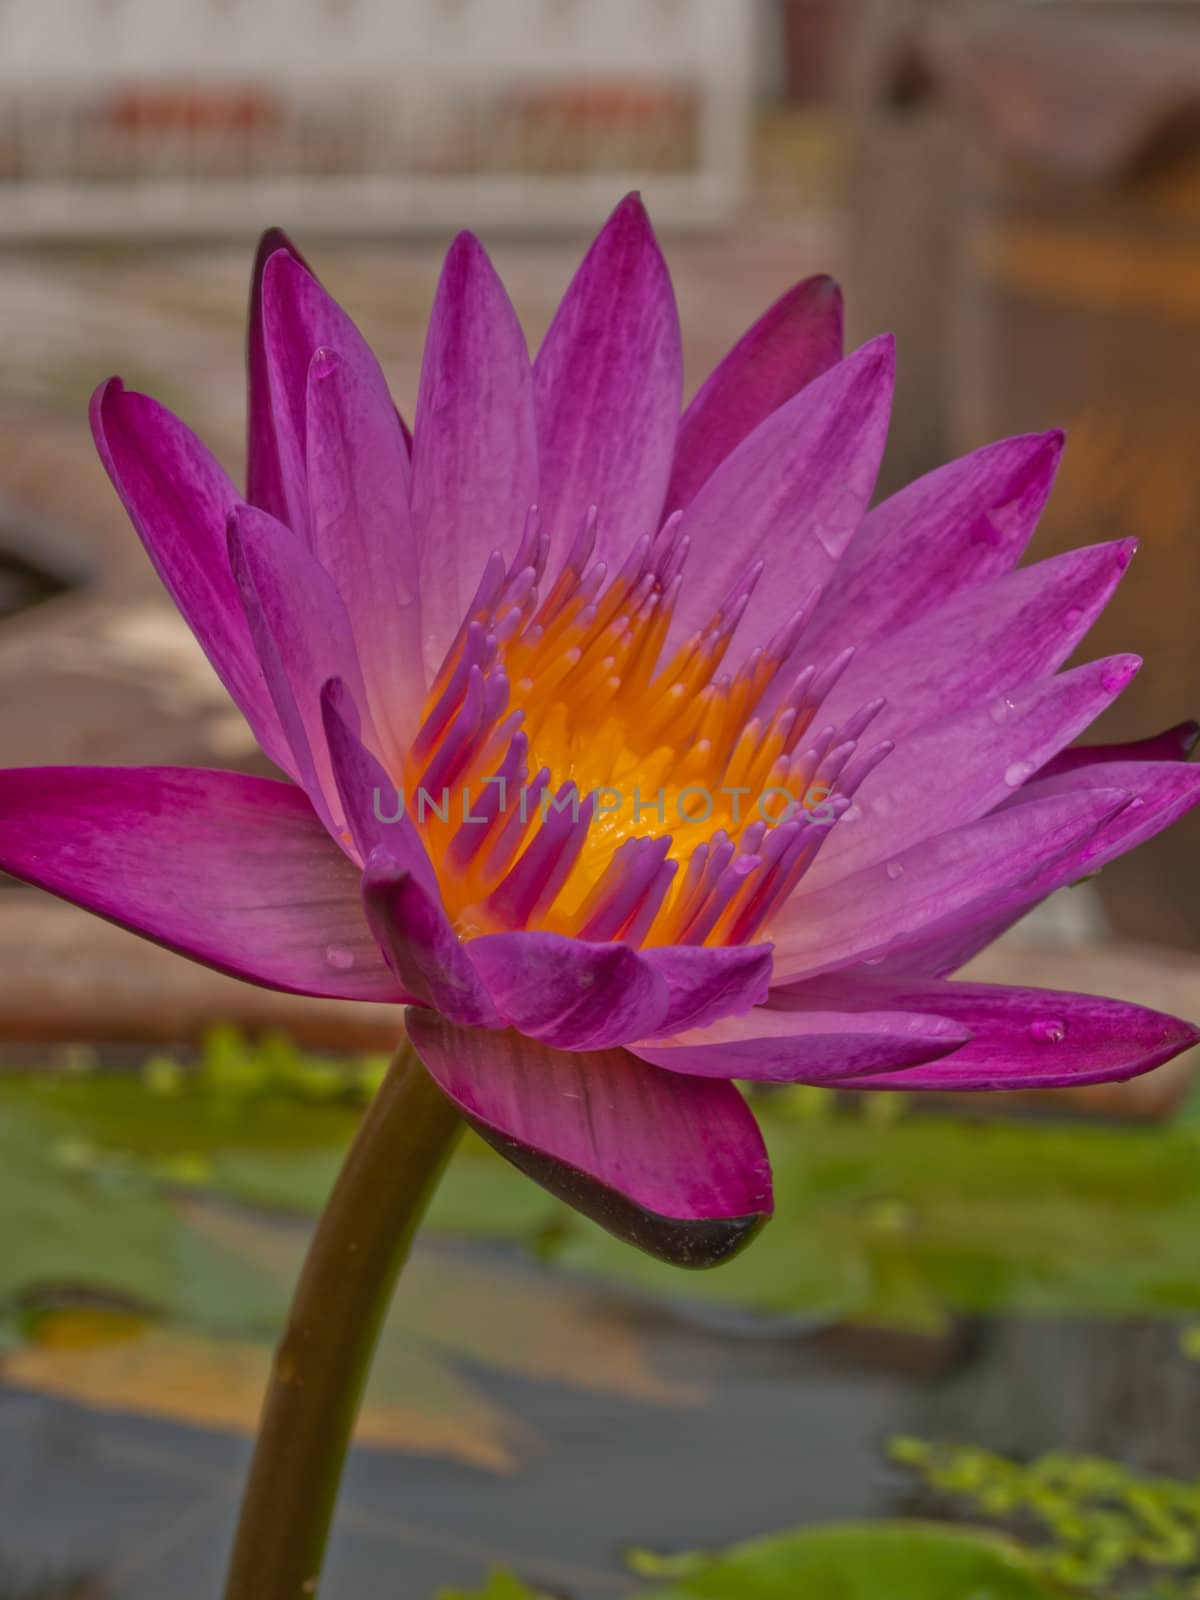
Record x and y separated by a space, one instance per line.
322 1360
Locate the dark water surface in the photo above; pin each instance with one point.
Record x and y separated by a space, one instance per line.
724 1431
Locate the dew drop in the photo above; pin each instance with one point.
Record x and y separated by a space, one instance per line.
1048 1030
340 957
1114 678
1002 710
894 870
1016 775
1073 616
852 813
873 961
830 539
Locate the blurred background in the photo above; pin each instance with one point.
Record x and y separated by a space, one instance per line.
1012 188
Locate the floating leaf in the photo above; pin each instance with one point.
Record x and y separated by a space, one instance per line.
851 1561
500 1586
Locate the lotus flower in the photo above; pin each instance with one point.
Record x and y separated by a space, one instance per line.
634 752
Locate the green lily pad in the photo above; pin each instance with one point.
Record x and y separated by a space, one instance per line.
851 1561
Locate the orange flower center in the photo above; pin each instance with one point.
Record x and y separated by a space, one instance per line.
563 778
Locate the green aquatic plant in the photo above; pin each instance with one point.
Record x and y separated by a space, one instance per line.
1087 1522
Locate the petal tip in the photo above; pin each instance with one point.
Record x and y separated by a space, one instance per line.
104 397
694 1243
271 241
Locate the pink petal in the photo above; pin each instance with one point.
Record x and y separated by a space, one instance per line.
1162 792
795 341
370 803
674 1165
363 536
607 386
961 525
303 637
475 467
982 641
791 494
707 982
237 873
178 499
1176 744
264 476
298 319
807 1046
567 993
954 771
960 876
1029 1038
420 945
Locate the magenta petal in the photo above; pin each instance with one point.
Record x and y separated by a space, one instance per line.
370 802
674 1165
983 640
475 449
963 524
567 993
303 637
707 982
421 947
793 492
178 499
1032 1038
362 535
298 319
264 476
955 770
1162 792
234 872
959 877
795 341
1176 744
607 386
807 1046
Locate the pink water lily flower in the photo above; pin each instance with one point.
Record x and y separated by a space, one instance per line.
626 745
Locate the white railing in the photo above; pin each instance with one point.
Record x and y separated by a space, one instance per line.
202 115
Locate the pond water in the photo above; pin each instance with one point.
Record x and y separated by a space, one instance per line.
542 1399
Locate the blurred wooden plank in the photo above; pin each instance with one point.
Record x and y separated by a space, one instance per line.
67 977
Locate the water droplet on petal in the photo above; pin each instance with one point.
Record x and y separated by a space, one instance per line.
1048 1030
340 957
1016 775
852 813
1114 678
829 539
1136 803
1003 709
894 870
1073 616
873 961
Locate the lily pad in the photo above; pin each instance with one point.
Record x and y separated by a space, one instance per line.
852 1561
